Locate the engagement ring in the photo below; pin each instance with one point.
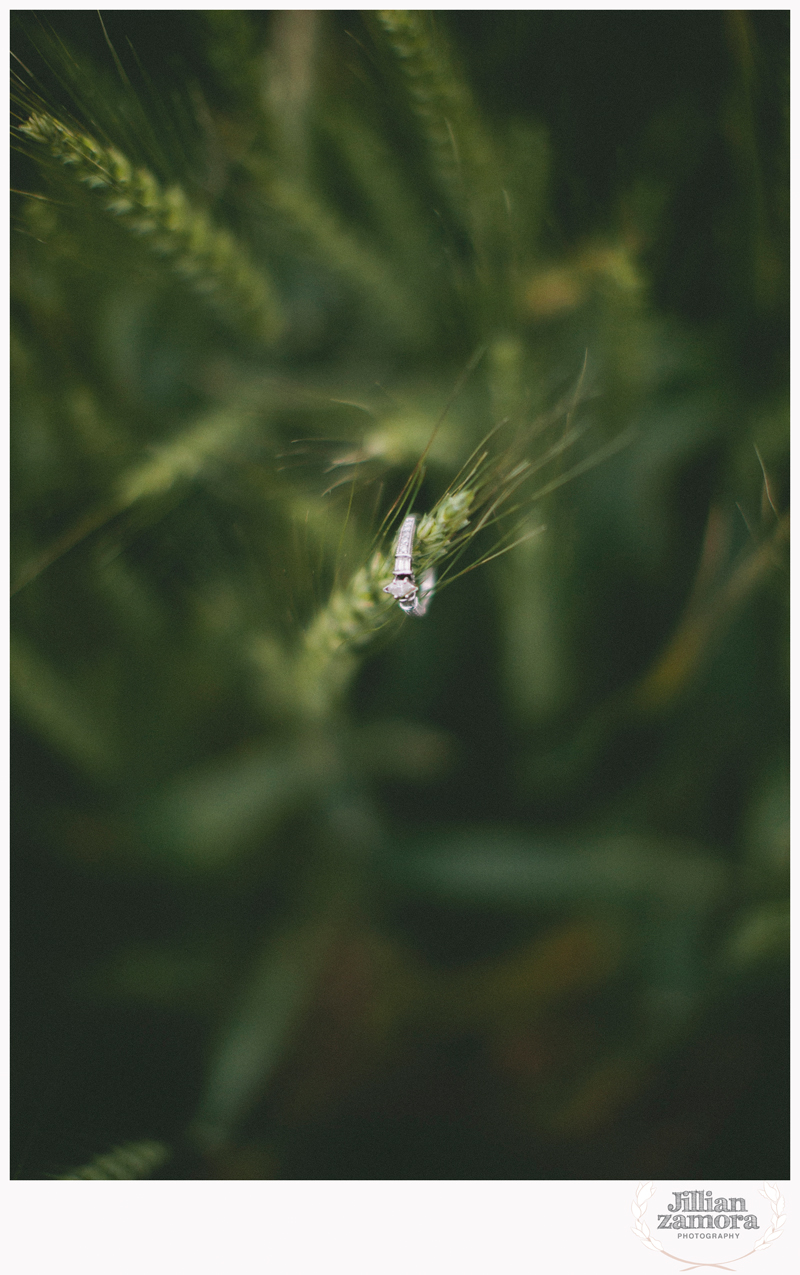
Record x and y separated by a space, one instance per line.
412 598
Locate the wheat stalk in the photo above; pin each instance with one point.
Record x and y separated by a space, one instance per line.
134 1160
178 459
319 228
357 612
461 152
205 256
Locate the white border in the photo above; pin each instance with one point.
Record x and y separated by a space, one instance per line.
343 1228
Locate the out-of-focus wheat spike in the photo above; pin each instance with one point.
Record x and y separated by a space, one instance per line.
461 153
56 710
182 458
341 248
134 1160
395 207
204 255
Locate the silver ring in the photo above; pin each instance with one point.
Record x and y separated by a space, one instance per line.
412 598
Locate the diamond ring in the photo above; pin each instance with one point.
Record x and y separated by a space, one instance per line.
412 598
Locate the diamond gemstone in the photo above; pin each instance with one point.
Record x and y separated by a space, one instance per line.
401 588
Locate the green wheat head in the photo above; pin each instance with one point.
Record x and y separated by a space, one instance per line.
356 613
460 150
204 256
134 1160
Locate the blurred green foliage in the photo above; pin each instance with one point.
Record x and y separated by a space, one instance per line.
500 892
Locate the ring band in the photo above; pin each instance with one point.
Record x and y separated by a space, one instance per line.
427 586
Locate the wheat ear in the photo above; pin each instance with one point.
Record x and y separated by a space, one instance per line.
460 151
358 611
134 1160
206 256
